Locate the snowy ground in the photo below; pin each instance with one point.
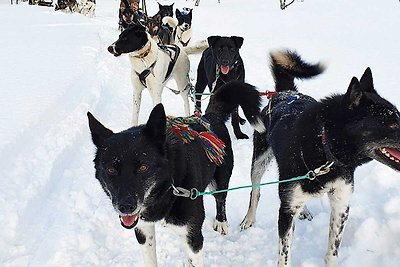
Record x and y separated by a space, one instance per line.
55 67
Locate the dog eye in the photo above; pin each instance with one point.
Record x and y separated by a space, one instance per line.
111 171
125 38
232 49
143 168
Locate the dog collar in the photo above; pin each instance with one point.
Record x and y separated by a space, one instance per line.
327 150
146 48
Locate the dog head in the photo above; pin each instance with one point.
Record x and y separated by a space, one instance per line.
184 18
131 39
165 11
225 51
153 24
131 165
373 123
64 4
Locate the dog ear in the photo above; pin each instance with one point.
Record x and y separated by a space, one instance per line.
238 41
99 132
177 13
366 82
212 40
156 125
354 94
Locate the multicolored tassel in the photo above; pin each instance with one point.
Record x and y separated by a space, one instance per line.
212 145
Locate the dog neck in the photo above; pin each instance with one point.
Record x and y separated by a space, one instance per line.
144 51
144 57
183 36
327 148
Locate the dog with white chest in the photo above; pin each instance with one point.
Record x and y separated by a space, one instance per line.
152 66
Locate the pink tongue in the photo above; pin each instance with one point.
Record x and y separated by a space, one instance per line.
129 220
394 152
224 69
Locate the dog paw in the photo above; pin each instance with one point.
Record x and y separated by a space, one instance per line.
306 214
221 227
242 121
246 223
242 136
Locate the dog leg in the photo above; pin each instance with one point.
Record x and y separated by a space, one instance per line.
236 125
145 235
201 84
194 247
184 88
261 157
339 198
306 214
288 212
192 239
137 99
220 182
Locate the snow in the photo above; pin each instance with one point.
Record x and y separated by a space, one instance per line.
55 67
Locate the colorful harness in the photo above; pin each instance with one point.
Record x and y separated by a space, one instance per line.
212 145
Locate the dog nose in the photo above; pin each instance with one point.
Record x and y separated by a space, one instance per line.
111 48
225 62
126 208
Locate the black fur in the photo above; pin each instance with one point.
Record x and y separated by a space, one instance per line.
184 19
131 39
165 11
355 126
223 52
137 167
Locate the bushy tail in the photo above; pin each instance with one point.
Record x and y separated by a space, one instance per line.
235 93
287 65
196 48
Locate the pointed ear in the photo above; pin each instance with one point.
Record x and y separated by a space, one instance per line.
99 132
354 94
238 41
177 13
212 40
366 82
156 125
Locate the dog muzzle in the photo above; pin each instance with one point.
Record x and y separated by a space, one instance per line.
112 50
129 221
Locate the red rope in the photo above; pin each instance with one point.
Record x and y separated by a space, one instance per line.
268 94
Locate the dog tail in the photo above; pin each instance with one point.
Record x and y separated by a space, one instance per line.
287 65
233 94
196 48
170 21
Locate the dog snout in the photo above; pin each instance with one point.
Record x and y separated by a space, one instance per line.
225 62
186 26
126 208
111 48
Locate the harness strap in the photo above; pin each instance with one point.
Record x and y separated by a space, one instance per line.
143 75
168 49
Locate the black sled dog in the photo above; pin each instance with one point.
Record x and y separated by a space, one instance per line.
302 134
139 168
221 63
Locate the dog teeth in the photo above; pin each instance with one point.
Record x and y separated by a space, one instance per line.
387 154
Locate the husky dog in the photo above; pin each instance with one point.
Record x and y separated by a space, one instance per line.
126 13
139 169
85 7
219 64
303 134
183 32
165 10
152 66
